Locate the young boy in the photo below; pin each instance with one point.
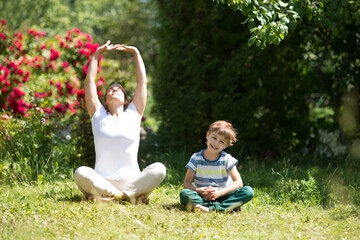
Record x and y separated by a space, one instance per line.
217 182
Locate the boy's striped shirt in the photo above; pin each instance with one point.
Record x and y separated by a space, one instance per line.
211 173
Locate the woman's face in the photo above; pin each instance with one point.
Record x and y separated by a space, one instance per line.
115 93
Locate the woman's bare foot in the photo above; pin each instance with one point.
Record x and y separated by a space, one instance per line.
91 198
119 197
141 199
202 208
95 198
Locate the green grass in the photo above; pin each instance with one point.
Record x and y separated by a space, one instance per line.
56 211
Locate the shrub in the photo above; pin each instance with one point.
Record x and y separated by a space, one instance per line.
33 66
292 189
44 125
36 147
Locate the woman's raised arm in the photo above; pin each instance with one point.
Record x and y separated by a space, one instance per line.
140 93
91 97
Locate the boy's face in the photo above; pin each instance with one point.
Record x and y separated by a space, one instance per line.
216 142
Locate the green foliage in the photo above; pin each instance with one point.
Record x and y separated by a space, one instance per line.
278 98
37 148
128 22
294 190
269 21
211 74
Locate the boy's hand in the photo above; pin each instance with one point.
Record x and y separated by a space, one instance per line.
209 193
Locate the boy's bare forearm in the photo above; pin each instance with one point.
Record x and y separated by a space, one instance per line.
232 187
190 186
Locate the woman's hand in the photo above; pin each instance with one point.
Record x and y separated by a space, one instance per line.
125 48
107 47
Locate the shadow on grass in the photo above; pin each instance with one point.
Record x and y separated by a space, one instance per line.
63 196
76 198
173 206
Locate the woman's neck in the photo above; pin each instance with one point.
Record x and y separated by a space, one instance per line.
116 110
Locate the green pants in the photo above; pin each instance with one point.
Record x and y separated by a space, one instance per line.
232 201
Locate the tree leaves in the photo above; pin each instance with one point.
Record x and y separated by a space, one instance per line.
269 21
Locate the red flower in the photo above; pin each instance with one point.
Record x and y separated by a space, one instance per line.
40 95
12 65
89 38
91 47
18 93
18 44
6 71
59 108
69 38
85 69
36 34
54 54
2 36
19 71
58 85
80 93
21 109
19 35
79 44
18 106
101 80
69 87
76 30
3 22
85 52
47 110
28 105
63 44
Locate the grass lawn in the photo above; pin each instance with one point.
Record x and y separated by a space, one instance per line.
57 211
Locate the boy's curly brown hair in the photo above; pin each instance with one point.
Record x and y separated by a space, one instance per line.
225 129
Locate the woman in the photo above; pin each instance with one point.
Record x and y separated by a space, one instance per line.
116 129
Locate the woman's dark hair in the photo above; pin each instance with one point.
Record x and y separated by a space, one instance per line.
126 96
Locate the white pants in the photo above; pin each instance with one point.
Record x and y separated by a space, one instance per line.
90 182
